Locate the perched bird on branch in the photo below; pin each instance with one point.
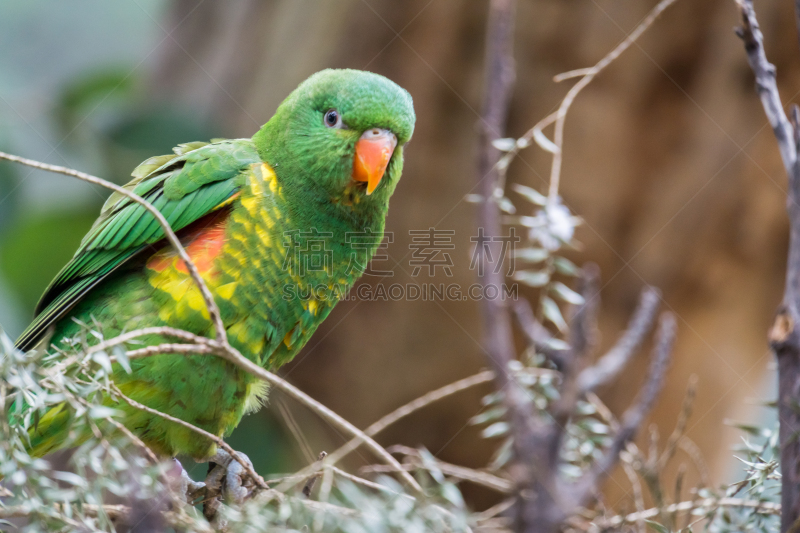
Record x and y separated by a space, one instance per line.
279 226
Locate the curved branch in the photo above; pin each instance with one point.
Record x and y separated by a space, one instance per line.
208 299
610 364
635 414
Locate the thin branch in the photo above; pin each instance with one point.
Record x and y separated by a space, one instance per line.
409 408
766 86
309 486
634 415
463 473
178 520
609 365
368 483
210 436
696 455
559 117
582 332
495 510
680 426
783 336
187 349
638 499
230 354
767 508
208 299
535 332
294 429
164 331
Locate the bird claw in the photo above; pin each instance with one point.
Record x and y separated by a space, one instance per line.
227 480
190 489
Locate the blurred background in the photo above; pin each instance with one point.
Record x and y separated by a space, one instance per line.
668 159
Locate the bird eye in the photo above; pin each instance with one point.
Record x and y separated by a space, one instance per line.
333 119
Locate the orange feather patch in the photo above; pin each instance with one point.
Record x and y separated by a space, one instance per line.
202 240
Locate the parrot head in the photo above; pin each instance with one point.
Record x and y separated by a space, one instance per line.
341 132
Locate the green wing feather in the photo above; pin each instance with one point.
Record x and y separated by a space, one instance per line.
183 187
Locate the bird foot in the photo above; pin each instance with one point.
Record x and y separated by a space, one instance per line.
227 481
188 488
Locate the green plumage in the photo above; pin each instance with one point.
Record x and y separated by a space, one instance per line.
249 212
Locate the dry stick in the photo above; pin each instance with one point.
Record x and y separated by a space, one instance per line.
409 408
368 483
637 490
294 429
461 473
760 507
561 114
231 355
609 365
187 349
223 349
680 427
581 331
559 117
165 331
696 455
113 512
495 510
581 491
208 299
783 337
498 80
536 334
313 479
210 436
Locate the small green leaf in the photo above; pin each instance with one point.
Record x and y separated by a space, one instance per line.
495 430
566 294
102 359
474 198
565 266
69 477
504 145
532 195
101 411
534 255
532 278
553 313
122 358
506 206
655 526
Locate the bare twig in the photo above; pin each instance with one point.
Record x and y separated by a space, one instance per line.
177 519
608 367
536 334
208 299
696 455
761 507
409 408
635 414
463 473
783 337
636 484
210 436
309 486
556 146
680 427
766 86
164 331
230 354
368 483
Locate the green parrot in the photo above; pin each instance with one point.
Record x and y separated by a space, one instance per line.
280 226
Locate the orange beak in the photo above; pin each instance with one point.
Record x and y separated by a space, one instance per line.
373 151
